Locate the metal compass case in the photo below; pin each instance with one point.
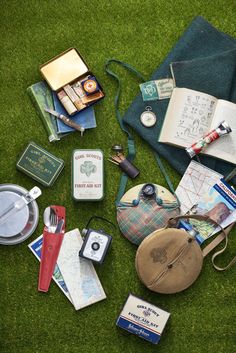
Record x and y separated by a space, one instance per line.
87 175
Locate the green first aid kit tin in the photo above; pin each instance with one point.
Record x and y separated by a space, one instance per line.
87 175
40 164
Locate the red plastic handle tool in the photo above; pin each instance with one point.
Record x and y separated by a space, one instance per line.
50 251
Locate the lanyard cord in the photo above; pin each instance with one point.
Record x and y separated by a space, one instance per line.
131 147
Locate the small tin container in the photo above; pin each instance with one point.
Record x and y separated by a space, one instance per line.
87 175
70 69
40 164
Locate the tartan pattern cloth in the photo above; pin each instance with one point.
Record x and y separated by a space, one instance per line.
137 222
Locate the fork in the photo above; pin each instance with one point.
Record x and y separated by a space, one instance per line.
53 220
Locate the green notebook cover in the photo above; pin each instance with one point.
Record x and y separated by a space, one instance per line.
41 97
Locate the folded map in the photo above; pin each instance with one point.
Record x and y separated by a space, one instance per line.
79 274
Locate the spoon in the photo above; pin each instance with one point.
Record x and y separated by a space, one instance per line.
50 219
16 206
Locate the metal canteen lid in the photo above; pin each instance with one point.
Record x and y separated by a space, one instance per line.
148 190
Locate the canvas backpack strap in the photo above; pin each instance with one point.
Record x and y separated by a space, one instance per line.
214 243
131 147
223 235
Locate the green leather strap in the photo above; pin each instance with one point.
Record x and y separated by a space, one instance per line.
131 146
166 176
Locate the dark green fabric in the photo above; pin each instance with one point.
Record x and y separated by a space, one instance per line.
203 59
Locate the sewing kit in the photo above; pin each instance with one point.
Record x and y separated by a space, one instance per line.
75 85
87 175
143 319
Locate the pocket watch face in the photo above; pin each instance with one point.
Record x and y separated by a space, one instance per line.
148 118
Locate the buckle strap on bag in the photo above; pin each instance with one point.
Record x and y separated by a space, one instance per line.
220 237
131 146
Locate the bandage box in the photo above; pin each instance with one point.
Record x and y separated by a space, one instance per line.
143 319
87 175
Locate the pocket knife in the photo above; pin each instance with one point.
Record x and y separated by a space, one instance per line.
66 120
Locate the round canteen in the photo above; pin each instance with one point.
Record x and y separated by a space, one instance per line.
143 209
168 260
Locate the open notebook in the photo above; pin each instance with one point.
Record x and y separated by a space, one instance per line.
191 114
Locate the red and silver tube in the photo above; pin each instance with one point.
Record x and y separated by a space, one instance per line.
222 129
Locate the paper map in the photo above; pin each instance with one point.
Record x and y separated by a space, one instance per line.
36 246
79 274
219 204
195 183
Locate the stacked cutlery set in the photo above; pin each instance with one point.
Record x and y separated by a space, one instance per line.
53 233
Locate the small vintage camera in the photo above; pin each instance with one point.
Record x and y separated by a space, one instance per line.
95 245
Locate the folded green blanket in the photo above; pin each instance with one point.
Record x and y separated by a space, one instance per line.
204 59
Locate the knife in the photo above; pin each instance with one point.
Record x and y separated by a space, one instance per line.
59 226
66 120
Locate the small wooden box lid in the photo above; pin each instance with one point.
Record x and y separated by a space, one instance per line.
63 69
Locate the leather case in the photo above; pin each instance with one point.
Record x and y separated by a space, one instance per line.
50 251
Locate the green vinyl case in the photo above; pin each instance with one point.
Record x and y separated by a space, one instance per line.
40 164
87 175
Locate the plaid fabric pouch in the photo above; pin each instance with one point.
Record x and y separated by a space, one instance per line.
138 220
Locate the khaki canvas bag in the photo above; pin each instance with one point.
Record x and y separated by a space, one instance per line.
169 260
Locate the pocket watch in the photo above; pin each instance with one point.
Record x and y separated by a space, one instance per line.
148 118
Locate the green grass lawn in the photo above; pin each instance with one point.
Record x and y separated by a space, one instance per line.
203 318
